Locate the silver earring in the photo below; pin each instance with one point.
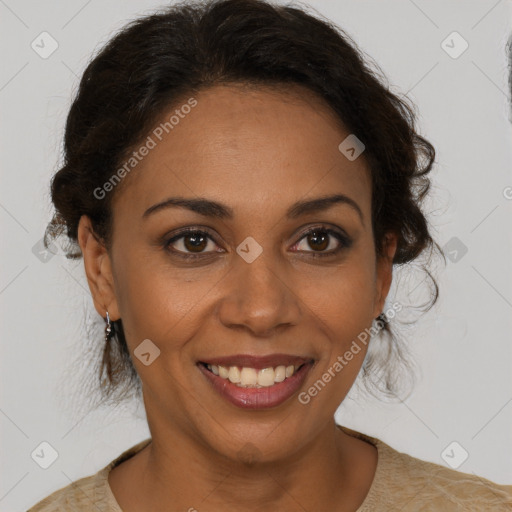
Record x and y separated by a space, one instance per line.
108 329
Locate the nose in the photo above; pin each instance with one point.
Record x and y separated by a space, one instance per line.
258 297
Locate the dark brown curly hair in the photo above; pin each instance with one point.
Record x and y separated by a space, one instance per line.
157 60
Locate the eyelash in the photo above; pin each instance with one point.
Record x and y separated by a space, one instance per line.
345 242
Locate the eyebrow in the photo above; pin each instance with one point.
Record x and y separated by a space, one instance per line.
209 208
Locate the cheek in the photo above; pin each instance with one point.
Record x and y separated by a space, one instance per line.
343 298
168 305
345 317
342 304
139 296
157 303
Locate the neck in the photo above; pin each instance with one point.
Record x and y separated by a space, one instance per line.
333 472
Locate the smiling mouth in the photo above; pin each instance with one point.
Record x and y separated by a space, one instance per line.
257 388
248 377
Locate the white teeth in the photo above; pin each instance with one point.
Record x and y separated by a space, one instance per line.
280 374
234 374
266 377
252 378
248 376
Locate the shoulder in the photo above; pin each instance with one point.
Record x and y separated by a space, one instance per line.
423 485
90 492
406 483
83 494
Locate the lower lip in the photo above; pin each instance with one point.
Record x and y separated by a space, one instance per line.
258 398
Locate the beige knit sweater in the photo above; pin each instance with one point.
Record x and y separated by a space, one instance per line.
401 483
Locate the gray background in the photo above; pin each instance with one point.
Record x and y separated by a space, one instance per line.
462 346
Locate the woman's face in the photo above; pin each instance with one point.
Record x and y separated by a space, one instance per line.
258 284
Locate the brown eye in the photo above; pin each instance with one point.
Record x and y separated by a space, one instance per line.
320 239
191 243
195 242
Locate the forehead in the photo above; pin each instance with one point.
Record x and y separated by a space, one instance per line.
249 147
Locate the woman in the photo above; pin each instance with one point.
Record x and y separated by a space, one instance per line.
240 186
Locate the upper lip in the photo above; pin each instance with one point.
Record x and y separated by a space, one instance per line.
258 362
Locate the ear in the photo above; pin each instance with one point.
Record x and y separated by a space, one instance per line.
98 270
384 272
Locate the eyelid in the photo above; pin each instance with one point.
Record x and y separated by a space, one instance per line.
166 241
343 239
